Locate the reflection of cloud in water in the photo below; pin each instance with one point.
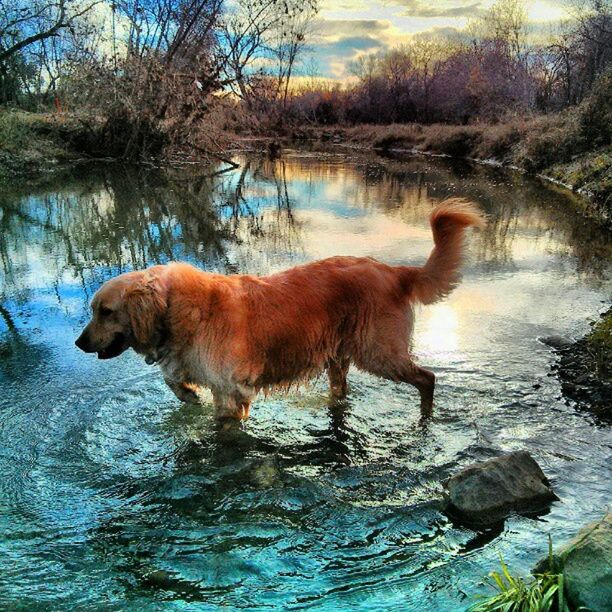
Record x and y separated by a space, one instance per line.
439 331
331 234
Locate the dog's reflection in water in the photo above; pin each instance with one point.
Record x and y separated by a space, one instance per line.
210 442
343 439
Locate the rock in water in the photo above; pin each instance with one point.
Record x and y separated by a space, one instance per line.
485 493
556 342
587 566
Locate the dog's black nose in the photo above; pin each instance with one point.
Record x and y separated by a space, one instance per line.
82 343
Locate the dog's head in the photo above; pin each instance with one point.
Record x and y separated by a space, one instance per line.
127 311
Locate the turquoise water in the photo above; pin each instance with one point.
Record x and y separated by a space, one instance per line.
113 495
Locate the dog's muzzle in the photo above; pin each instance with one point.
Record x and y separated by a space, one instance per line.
114 349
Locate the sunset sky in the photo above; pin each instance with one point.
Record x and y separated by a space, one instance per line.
349 28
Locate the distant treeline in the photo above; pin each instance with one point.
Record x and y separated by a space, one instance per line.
490 72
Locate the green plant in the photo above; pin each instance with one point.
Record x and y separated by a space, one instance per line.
15 133
599 342
544 592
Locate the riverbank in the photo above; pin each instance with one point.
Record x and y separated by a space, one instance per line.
572 149
585 371
34 144
544 146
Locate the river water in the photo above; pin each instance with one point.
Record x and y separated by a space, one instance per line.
113 495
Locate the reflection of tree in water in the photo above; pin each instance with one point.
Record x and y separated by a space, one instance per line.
8 319
514 204
20 356
118 219
132 219
260 210
23 224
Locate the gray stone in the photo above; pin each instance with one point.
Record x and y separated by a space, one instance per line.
485 493
587 566
556 342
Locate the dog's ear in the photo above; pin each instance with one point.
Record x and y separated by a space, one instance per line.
145 304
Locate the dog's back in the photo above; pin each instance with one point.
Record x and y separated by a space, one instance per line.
353 309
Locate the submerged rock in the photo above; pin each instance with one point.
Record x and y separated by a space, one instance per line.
556 342
586 563
485 493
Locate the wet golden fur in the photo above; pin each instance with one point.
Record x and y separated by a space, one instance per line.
240 334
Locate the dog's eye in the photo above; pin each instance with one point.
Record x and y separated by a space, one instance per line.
105 312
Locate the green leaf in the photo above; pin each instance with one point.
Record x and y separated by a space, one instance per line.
560 591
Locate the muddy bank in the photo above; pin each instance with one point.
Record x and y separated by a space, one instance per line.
33 145
585 370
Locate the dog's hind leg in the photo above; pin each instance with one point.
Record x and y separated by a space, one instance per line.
403 369
337 371
424 380
387 354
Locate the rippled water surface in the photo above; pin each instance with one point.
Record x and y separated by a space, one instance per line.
114 495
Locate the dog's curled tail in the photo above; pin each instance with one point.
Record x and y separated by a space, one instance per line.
441 273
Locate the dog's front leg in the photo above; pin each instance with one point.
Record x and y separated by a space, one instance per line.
186 392
231 406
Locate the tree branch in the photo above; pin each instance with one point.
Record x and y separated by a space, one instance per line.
61 23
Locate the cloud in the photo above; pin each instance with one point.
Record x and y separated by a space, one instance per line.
442 32
354 27
442 8
333 57
351 44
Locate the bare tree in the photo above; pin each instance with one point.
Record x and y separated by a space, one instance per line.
580 53
154 89
593 38
25 23
292 27
504 22
243 44
262 40
426 55
29 35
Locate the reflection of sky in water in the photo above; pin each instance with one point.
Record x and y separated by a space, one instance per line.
113 493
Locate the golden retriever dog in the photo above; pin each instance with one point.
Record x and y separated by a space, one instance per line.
240 334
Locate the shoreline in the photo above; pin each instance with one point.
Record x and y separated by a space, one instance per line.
583 368
34 146
597 201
